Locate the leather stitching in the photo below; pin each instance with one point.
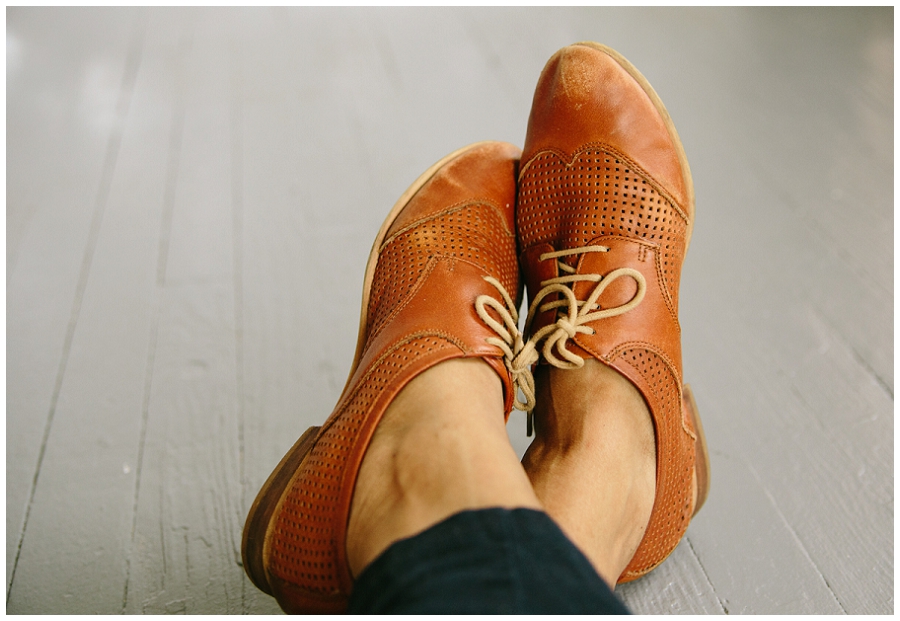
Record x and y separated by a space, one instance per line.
568 162
660 274
362 381
621 349
426 271
480 202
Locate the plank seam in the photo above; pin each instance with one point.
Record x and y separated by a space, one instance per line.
237 204
817 229
796 536
706 575
859 358
129 77
168 208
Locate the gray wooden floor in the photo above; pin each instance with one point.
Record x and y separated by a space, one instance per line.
191 197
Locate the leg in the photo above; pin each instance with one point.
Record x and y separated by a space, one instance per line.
418 435
593 461
445 520
441 448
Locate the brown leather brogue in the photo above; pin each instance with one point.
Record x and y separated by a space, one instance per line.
604 217
435 289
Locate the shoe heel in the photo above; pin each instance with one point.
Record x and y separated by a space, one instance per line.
258 519
701 460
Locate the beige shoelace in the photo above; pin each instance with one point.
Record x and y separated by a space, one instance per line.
521 354
518 354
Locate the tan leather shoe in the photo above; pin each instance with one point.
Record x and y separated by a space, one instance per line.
435 289
604 218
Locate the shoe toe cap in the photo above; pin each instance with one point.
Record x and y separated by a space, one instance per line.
589 95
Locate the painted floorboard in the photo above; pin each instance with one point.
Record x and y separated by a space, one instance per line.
186 541
297 353
191 199
80 516
49 230
811 441
678 586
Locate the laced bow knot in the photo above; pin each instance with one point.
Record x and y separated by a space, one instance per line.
572 314
519 355
567 326
572 317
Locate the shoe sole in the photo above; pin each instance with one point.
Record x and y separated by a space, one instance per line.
701 464
269 497
256 528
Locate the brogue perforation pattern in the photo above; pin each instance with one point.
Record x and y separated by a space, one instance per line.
598 194
303 549
475 233
673 487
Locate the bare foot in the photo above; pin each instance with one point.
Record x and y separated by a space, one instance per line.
441 448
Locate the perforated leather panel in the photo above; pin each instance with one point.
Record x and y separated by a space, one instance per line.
474 232
672 512
598 194
303 548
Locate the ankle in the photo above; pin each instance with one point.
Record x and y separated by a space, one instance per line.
593 461
577 408
440 448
